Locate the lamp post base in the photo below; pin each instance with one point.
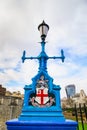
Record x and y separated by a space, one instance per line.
16 124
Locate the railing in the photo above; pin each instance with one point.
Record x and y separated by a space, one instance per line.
82 113
78 113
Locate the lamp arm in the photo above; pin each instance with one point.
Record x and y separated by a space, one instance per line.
54 57
62 57
24 57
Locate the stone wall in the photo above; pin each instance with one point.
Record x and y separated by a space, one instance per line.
10 108
2 90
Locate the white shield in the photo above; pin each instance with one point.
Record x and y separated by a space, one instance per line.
42 95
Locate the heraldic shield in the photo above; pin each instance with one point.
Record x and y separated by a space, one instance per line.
42 97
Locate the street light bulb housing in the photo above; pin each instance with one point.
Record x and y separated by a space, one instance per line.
43 28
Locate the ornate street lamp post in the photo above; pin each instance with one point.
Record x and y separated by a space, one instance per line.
42 106
43 83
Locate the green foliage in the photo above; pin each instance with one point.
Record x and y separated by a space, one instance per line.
80 126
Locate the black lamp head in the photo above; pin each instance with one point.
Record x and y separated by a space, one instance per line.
43 28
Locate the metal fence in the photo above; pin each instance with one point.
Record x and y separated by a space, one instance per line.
79 113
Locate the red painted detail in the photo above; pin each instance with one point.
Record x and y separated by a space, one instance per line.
42 95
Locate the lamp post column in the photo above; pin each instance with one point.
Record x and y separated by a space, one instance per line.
43 58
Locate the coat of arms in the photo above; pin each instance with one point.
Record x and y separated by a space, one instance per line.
42 97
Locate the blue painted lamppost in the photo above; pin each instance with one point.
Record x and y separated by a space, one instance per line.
43 28
42 106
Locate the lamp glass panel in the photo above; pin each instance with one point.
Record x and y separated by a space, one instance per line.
43 30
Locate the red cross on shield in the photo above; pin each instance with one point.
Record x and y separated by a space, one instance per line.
42 96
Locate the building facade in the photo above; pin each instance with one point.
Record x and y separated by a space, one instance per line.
70 90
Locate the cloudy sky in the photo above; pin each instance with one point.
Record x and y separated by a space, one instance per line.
19 20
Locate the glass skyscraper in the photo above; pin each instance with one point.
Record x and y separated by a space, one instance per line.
70 90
